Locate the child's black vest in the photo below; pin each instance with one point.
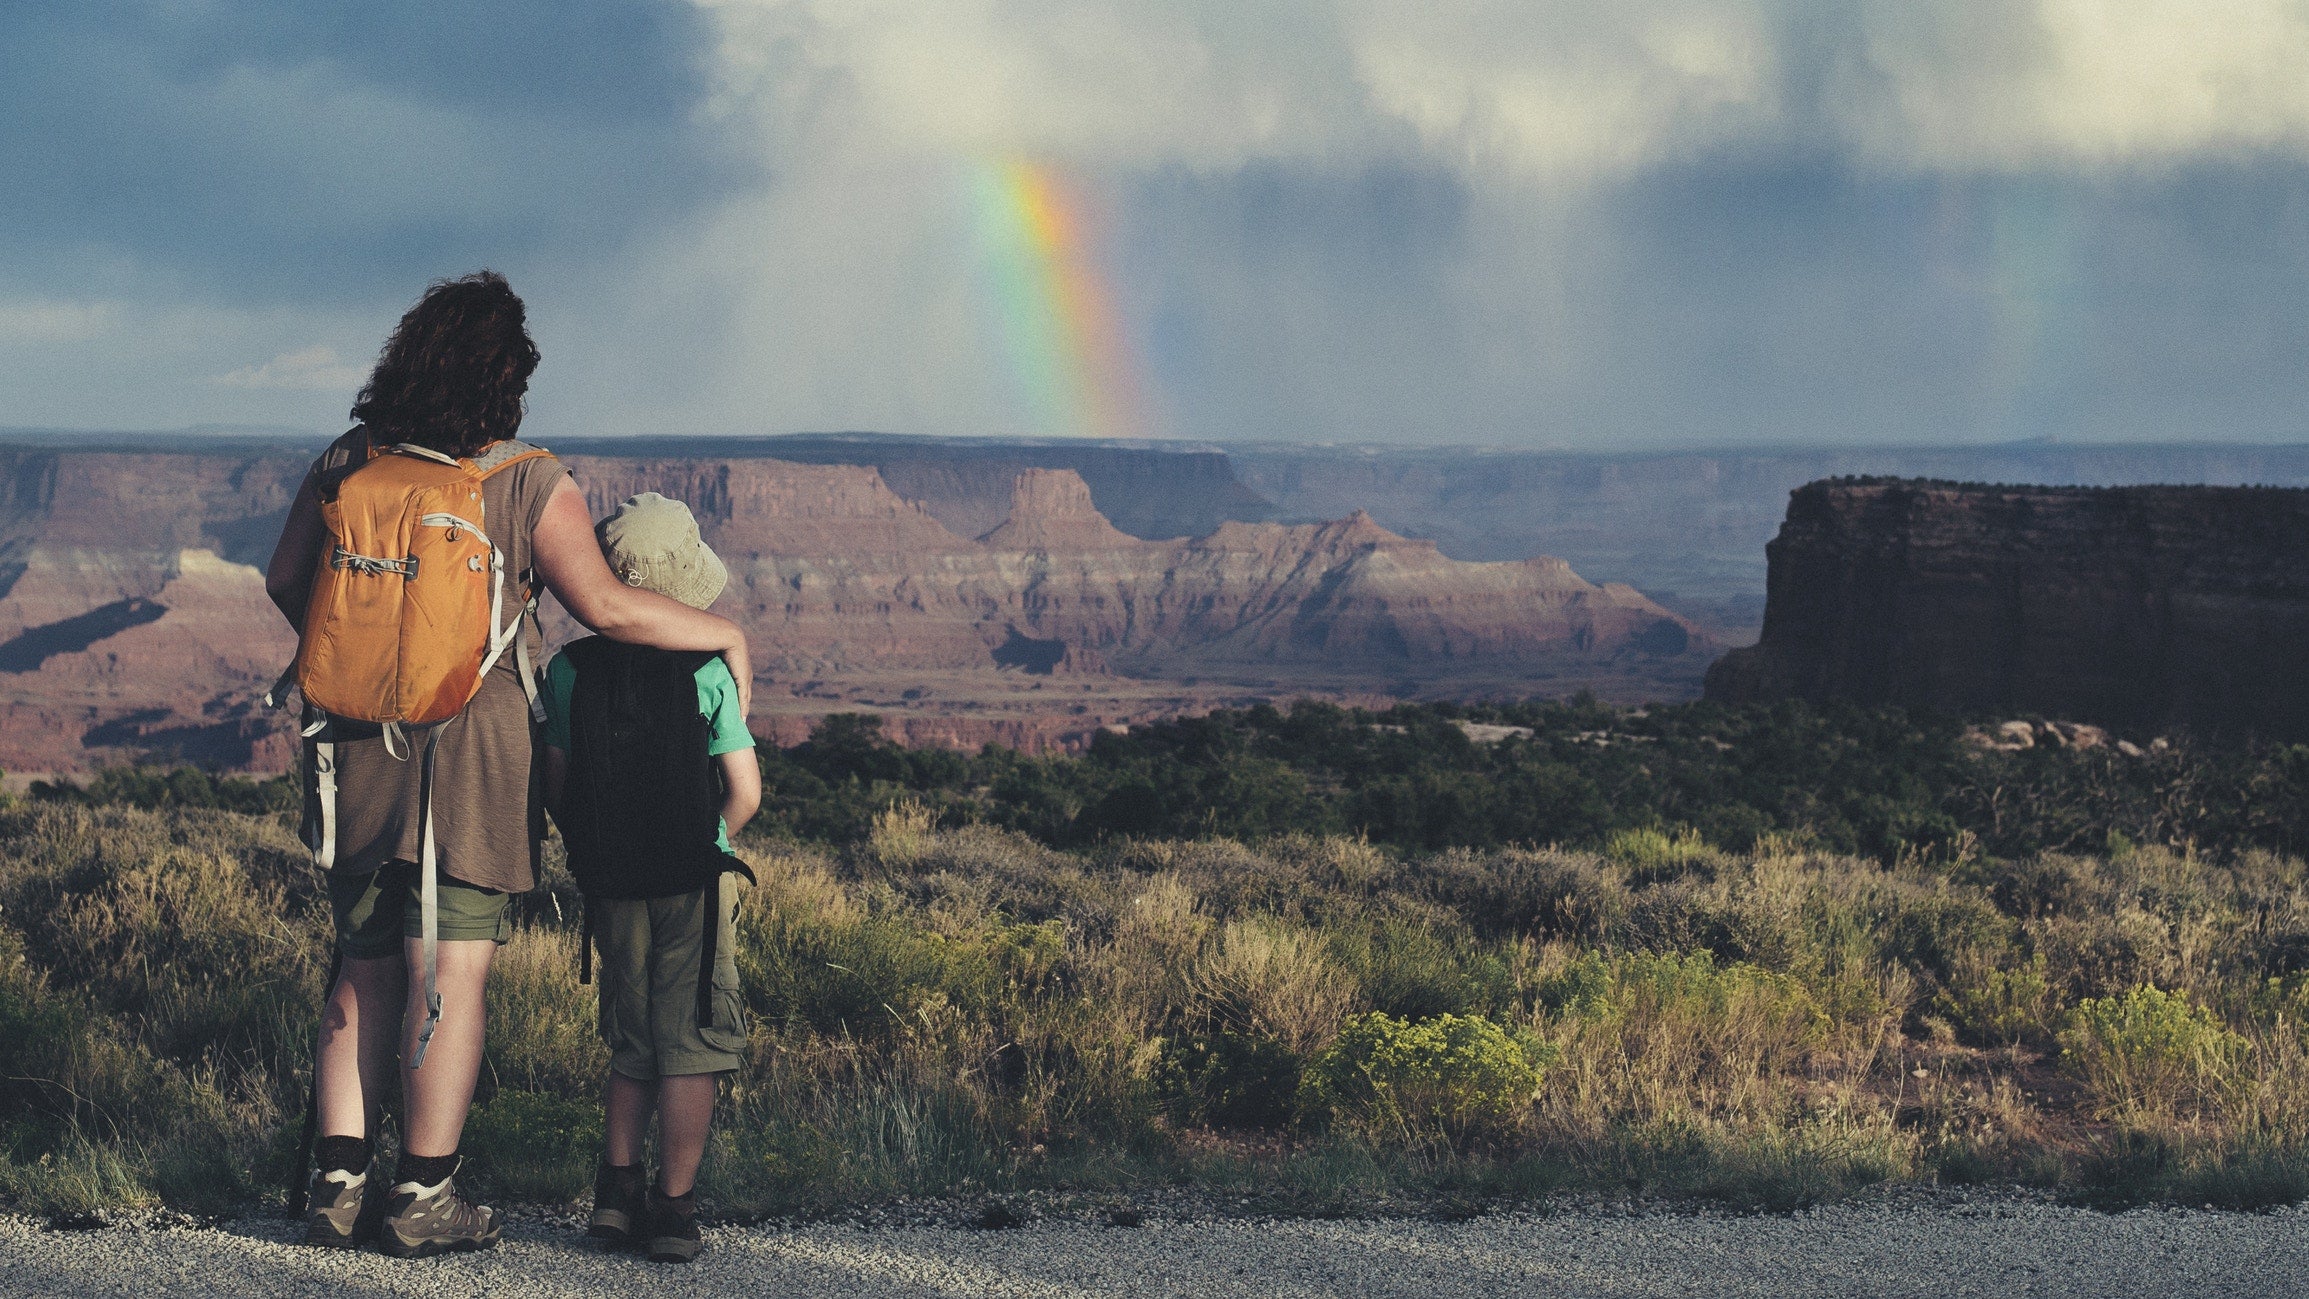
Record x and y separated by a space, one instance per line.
640 808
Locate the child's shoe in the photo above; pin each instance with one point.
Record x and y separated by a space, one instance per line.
620 1196
673 1227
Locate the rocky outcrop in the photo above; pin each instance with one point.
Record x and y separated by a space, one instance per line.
1050 510
2138 608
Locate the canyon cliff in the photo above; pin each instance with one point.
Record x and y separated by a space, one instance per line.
2141 608
133 618
836 573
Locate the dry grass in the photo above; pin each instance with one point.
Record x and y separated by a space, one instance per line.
941 1011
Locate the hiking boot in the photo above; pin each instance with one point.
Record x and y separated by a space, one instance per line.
347 1208
673 1228
620 1195
421 1221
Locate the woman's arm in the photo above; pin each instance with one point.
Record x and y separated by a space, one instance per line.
289 577
741 789
569 562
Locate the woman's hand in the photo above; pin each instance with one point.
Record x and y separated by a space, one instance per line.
569 562
742 669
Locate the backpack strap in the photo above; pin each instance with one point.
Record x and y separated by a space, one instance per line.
348 453
325 789
496 459
425 453
521 663
428 901
711 895
504 455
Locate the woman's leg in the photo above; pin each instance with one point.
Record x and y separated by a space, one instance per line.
360 1039
436 1097
685 1111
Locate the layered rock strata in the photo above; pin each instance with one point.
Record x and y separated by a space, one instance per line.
835 573
133 618
2139 608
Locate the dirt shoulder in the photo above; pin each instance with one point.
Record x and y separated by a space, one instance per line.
1908 1244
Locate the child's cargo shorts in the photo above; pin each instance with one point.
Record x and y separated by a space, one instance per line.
649 984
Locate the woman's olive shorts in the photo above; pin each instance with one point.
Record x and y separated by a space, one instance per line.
374 912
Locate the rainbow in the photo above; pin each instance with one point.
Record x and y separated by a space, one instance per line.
1055 317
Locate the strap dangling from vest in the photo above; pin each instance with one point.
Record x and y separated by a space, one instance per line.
428 901
522 664
325 791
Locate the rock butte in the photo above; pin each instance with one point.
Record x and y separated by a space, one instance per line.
133 618
2138 608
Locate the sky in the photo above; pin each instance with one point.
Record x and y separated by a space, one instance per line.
1528 223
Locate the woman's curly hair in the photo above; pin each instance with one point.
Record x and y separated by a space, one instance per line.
453 374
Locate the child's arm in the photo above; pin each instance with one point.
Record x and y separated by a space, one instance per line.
741 788
556 772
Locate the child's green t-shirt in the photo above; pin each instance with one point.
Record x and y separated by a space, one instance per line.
717 702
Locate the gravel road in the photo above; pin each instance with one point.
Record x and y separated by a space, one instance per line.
1923 1245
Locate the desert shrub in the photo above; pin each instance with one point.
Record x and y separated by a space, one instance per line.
1657 784
162 787
1516 892
1646 1039
1230 1080
1273 980
901 833
1418 969
1459 1076
1998 1004
2149 1051
945 1006
1653 853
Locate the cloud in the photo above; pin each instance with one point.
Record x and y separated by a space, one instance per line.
1489 221
1983 84
255 151
37 320
311 369
1548 87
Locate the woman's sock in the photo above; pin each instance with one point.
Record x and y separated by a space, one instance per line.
425 1170
342 1154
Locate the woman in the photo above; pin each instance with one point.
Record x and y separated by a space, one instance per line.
451 379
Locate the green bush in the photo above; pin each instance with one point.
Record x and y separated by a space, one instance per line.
1230 1080
1999 1005
2153 1052
1460 1076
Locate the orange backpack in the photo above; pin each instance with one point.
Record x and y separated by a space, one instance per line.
407 613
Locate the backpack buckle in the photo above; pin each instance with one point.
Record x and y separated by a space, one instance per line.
373 566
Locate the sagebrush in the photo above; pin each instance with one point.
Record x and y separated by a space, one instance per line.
1317 1019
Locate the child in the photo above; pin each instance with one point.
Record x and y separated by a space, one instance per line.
648 769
